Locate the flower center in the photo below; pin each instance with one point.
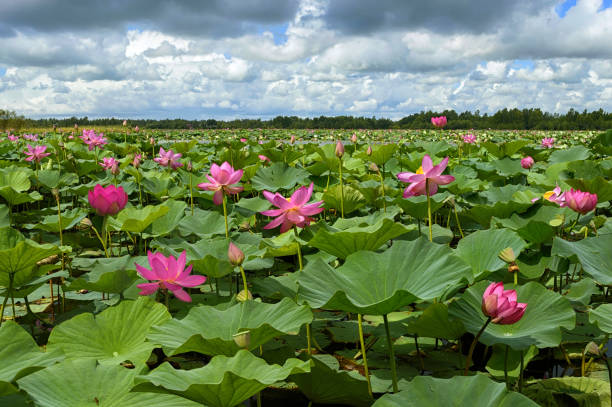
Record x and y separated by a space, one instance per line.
420 170
548 194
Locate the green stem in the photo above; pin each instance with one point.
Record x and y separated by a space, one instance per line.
363 353
382 186
520 378
428 209
506 366
244 281
468 361
308 340
191 191
457 219
6 297
225 215
605 359
391 355
341 188
299 249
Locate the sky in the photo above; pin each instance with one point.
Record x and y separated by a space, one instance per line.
224 59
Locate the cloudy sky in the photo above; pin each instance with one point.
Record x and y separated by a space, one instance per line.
260 58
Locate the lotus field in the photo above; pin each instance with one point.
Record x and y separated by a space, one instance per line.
306 267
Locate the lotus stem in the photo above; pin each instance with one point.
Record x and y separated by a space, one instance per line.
308 340
382 186
515 278
100 237
6 297
605 359
244 281
191 192
363 353
457 219
468 361
391 355
341 188
225 215
299 249
418 351
429 209
506 366
520 378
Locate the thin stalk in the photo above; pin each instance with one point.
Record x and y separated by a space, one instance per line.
391 355
244 281
468 361
191 191
341 188
520 378
225 216
308 340
363 353
506 366
515 278
457 219
428 209
418 351
6 297
299 249
382 186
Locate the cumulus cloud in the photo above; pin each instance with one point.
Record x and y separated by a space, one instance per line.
244 58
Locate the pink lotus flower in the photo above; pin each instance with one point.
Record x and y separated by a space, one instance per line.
427 171
439 122
93 140
354 138
243 140
136 161
292 211
235 255
136 129
124 123
527 162
292 140
151 140
501 306
263 158
13 137
110 164
107 201
548 142
223 180
555 196
339 149
469 138
579 201
36 153
30 137
168 273
168 158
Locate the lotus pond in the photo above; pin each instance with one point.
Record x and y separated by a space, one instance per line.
307 267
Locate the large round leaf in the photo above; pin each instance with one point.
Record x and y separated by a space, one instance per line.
83 383
225 381
593 253
210 330
547 312
602 317
473 391
379 283
108 275
136 220
481 249
115 335
278 176
570 391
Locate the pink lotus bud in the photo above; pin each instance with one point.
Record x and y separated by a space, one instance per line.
107 201
292 139
527 162
136 129
579 201
354 138
369 151
235 255
501 305
124 123
339 149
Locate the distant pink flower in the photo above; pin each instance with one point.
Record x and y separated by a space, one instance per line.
292 211
427 171
555 196
501 305
168 273
223 180
110 164
548 142
107 201
579 201
151 140
243 140
93 140
168 158
124 123
292 140
527 162
469 138
439 122
12 137
136 129
36 153
354 138
30 137
263 158
136 161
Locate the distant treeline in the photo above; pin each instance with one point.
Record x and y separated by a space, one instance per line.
525 119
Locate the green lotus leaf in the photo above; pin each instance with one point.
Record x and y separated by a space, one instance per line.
20 356
416 206
507 167
547 312
593 253
224 381
381 153
278 177
581 292
327 384
342 243
353 199
473 391
210 330
167 223
208 256
18 179
508 148
83 383
137 220
602 317
379 283
483 213
512 362
115 335
569 391
571 154
4 216
481 249
283 244
112 275
156 183
53 178
69 219
17 198
203 224
434 322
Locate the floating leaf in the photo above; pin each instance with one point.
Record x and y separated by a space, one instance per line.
277 177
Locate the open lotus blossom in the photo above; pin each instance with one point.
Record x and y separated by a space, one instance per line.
223 180
579 201
12 137
168 273
501 305
527 162
439 122
30 137
93 140
427 171
110 164
548 142
36 153
555 196
107 201
263 158
168 158
136 160
292 211
469 138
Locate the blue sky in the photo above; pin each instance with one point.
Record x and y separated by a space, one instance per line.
262 58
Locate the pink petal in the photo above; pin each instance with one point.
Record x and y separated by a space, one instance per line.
147 288
427 164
